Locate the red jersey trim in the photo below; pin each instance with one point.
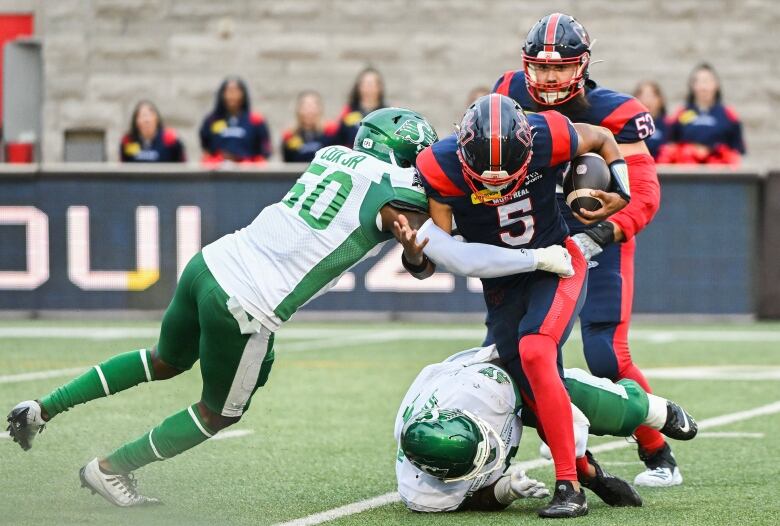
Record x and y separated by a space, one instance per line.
503 88
429 169
559 133
616 120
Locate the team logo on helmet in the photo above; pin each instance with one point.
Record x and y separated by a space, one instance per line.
579 30
524 130
415 132
466 128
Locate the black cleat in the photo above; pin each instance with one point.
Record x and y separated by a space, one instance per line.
679 424
609 488
566 502
24 423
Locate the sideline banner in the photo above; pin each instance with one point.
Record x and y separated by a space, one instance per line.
120 240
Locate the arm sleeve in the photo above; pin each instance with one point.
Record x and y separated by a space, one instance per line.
473 259
645 196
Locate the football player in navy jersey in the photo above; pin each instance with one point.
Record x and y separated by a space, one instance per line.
496 178
556 56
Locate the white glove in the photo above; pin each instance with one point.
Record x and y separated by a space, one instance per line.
555 259
515 484
588 247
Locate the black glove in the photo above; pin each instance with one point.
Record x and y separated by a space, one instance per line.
602 233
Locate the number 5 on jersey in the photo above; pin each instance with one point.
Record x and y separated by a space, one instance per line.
512 213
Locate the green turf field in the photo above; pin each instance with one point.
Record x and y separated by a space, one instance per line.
319 435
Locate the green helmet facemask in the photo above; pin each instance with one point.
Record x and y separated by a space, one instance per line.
394 135
451 444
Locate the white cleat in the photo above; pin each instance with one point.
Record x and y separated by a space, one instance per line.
119 490
661 472
25 422
661 477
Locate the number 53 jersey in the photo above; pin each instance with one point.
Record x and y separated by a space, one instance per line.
298 248
528 218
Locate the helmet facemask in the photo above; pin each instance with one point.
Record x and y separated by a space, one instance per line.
484 451
554 93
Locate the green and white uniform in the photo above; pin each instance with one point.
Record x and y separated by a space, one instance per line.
471 380
232 299
462 381
297 249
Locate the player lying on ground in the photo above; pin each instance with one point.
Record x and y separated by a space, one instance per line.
237 293
460 424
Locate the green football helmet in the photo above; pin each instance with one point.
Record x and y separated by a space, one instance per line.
394 135
451 444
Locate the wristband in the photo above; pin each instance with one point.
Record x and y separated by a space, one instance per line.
602 233
618 171
414 269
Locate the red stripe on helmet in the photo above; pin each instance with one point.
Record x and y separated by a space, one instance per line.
549 32
495 132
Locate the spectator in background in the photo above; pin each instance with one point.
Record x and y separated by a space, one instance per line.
148 140
299 144
704 131
476 93
367 95
232 132
649 93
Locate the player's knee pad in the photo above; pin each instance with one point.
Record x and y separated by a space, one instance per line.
537 350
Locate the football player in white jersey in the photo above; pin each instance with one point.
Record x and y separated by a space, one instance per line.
234 295
460 424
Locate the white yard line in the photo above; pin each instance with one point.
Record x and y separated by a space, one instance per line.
41 375
389 498
729 434
232 433
406 333
720 372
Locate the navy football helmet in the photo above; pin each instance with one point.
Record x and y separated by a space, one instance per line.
494 144
557 39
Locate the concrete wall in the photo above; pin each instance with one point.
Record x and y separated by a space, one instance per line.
101 56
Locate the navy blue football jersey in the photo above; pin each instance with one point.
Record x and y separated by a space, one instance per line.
528 218
627 118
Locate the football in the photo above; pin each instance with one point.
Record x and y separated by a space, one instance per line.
587 172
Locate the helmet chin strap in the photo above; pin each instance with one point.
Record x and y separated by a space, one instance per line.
493 188
483 450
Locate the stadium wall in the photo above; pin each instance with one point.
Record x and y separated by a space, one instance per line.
115 238
102 56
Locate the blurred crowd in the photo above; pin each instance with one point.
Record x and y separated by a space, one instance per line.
703 130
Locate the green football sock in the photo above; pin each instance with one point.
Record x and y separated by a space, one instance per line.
118 373
174 435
